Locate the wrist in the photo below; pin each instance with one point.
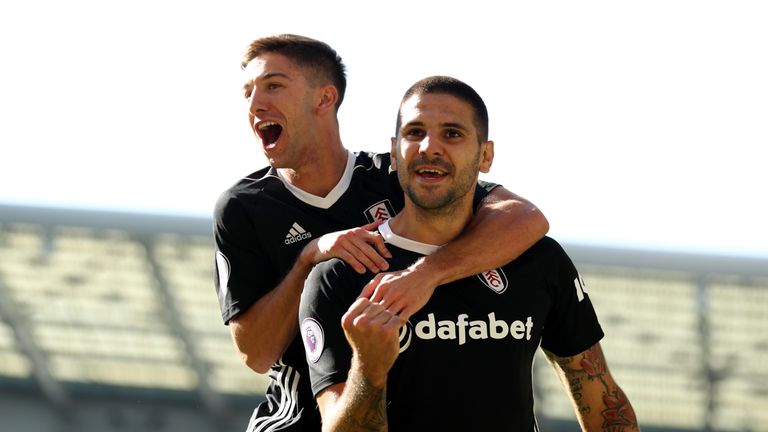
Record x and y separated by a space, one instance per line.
429 272
374 378
306 259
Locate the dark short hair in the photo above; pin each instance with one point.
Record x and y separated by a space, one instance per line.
321 62
454 87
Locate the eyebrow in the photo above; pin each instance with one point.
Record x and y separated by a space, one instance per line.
266 77
273 75
444 125
454 126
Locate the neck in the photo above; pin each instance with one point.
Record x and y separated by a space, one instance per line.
320 169
436 227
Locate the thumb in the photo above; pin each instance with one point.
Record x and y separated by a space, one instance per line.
372 226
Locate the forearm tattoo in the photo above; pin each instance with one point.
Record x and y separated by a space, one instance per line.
370 407
616 411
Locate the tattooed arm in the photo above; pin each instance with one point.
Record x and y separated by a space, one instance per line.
359 404
361 408
599 402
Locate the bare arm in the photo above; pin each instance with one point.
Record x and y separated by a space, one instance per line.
359 404
599 402
504 227
361 408
263 332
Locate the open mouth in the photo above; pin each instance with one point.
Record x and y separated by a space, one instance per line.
270 132
431 173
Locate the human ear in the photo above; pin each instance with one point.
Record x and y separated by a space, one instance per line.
486 156
328 96
393 155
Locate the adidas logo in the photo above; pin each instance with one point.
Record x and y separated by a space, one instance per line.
296 234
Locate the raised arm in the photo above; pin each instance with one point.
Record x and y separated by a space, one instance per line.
599 402
504 227
263 332
359 404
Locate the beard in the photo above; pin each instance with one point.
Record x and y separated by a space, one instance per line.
436 201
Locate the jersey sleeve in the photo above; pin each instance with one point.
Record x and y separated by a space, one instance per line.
328 293
481 191
572 325
243 272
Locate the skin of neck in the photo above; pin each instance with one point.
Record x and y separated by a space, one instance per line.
433 226
321 169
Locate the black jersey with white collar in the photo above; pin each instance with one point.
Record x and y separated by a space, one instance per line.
466 357
260 225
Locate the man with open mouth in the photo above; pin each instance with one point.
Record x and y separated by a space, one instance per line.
464 361
316 201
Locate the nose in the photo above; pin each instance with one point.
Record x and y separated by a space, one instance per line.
256 103
431 144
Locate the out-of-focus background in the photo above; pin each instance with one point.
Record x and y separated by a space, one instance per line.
639 129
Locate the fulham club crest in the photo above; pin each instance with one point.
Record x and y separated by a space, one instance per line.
380 211
495 280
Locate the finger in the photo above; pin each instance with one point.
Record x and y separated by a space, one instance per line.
368 255
367 290
391 328
372 226
352 260
355 310
370 312
404 313
374 318
375 257
379 290
393 307
392 304
376 238
378 243
387 294
376 314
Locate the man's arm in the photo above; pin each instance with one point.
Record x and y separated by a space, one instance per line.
359 404
263 332
362 407
599 402
504 227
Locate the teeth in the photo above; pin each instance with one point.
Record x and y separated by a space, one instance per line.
266 124
430 171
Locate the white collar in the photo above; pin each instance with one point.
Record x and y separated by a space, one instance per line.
335 193
405 243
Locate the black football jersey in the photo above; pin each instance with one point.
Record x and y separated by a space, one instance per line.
466 358
260 226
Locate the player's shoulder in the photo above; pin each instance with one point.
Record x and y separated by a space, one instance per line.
334 268
372 161
547 247
546 257
334 278
246 188
253 182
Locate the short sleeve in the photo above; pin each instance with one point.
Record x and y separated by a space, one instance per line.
243 270
328 292
481 191
572 325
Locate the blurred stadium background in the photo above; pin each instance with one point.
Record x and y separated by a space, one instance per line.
109 322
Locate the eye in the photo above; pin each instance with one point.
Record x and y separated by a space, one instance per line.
273 86
414 133
453 133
